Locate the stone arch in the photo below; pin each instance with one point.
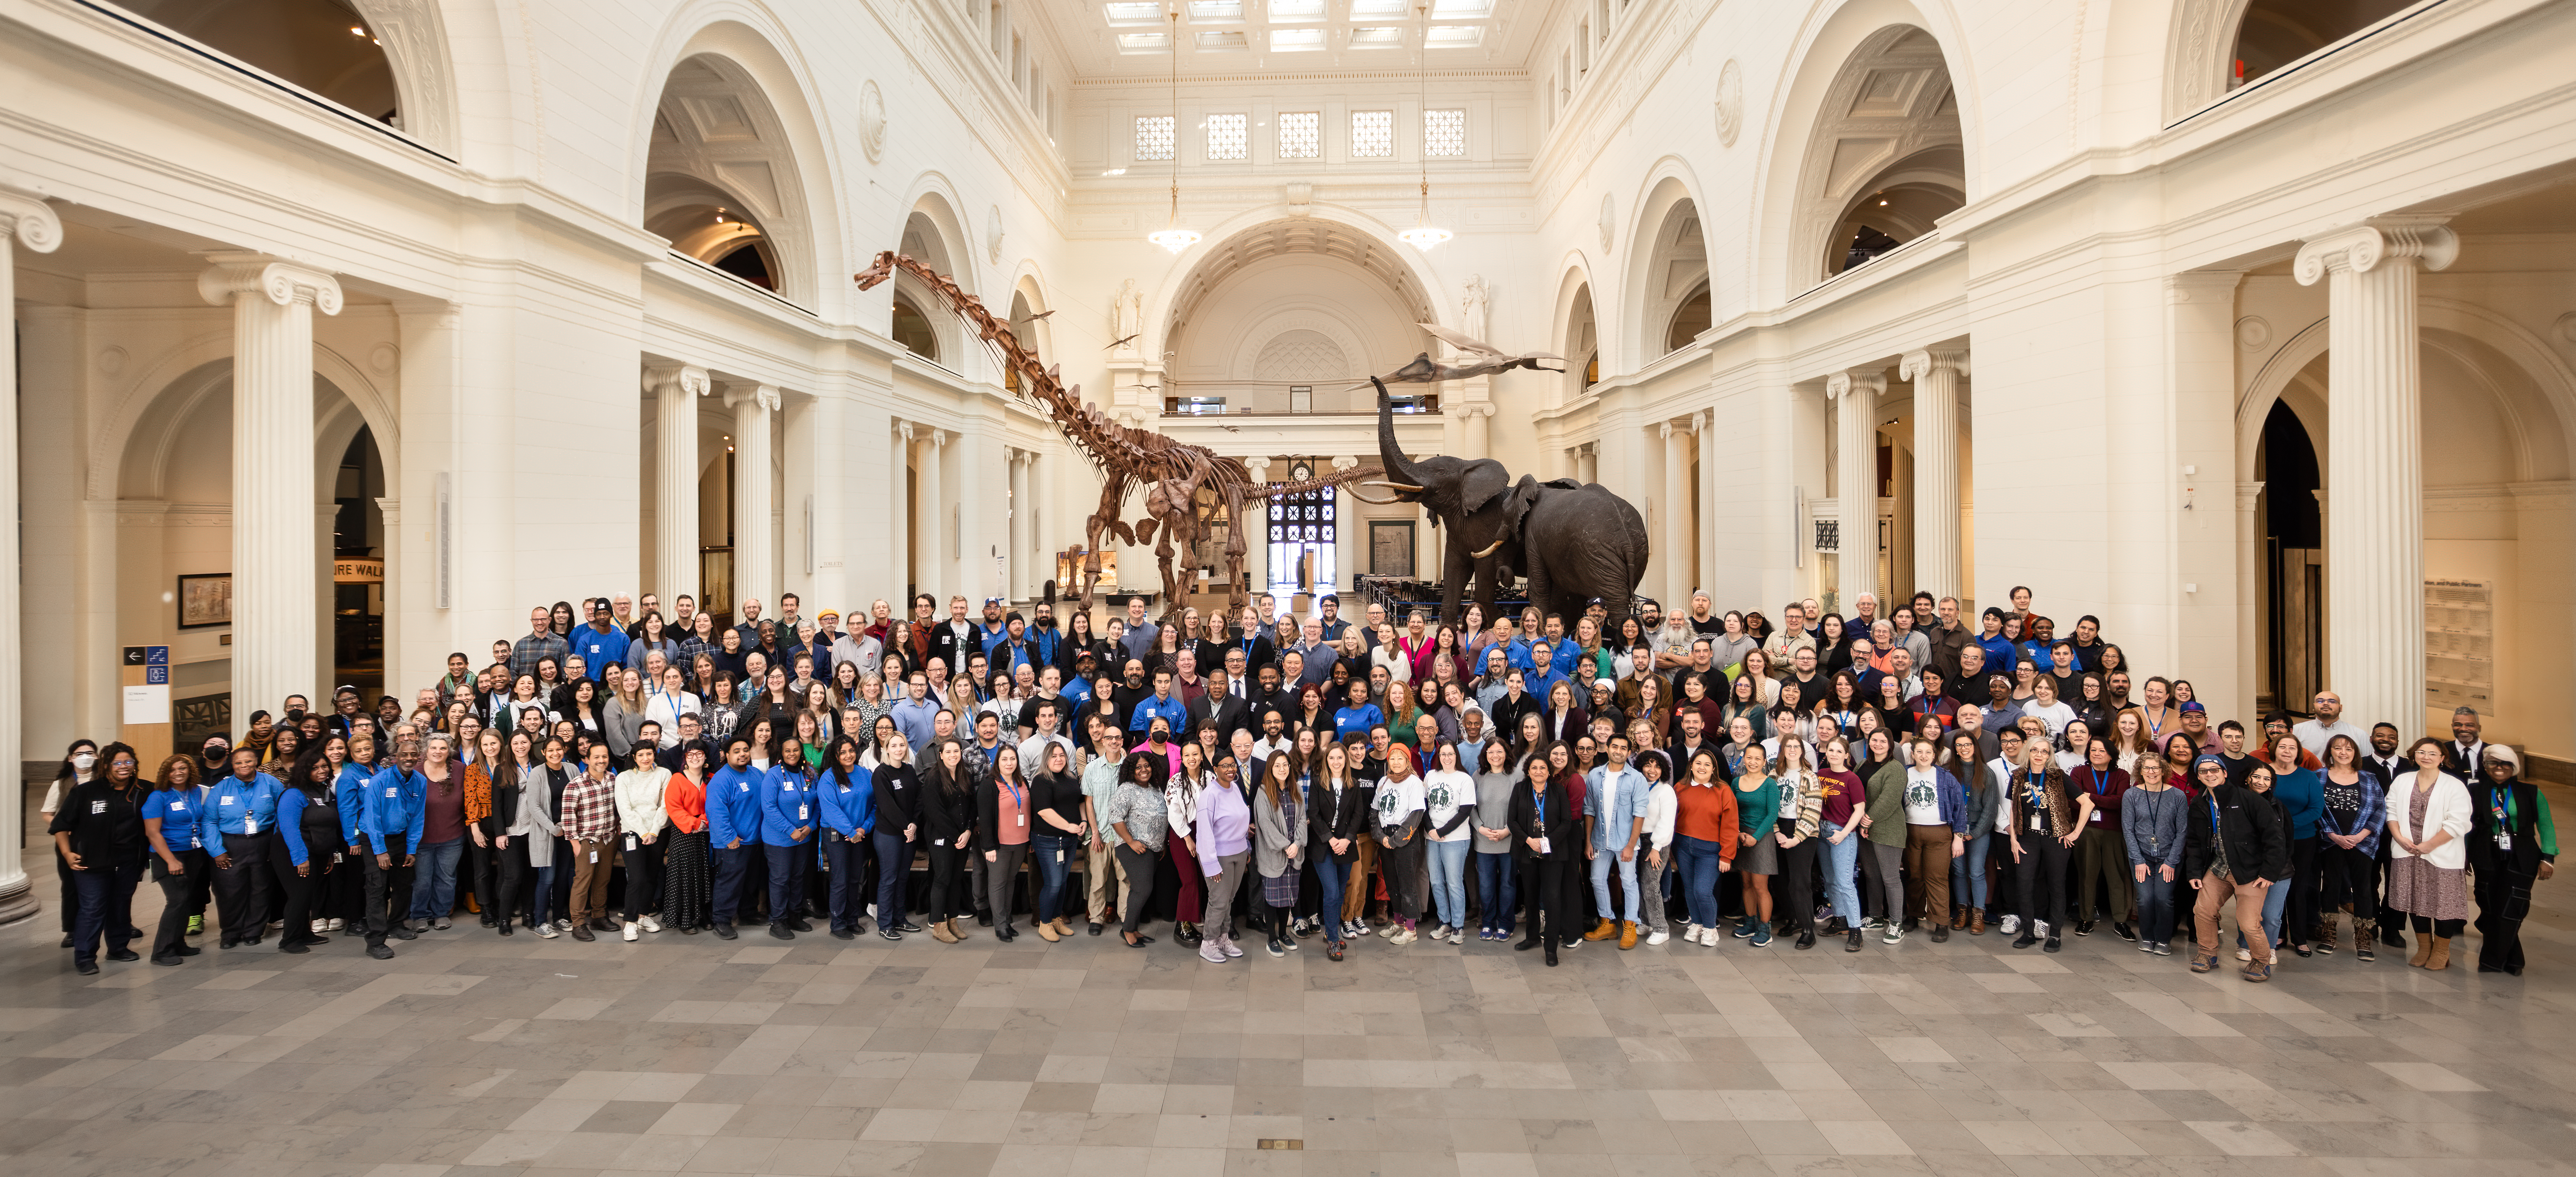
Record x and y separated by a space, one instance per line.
1402 267
934 234
1667 264
2209 38
725 102
1807 181
1574 328
142 424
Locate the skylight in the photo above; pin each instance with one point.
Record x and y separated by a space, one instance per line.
1462 9
1295 40
1144 42
1360 8
1222 41
1126 13
1384 37
1455 36
1206 11
1296 9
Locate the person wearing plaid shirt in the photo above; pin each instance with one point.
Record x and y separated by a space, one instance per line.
540 644
590 821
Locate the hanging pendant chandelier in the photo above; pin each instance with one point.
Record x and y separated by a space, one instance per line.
1424 234
1173 235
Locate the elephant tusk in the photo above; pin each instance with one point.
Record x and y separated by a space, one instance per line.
1487 550
1402 486
1354 493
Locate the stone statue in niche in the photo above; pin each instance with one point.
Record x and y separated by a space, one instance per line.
1127 315
1472 302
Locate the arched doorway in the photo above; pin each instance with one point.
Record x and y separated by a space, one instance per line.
721 179
1887 159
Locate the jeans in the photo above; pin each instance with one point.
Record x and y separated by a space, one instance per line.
1449 881
2155 907
541 897
1330 876
1496 883
433 879
1602 861
1968 873
849 884
1841 860
788 863
1701 870
1055 861
894 861
106 894
730 866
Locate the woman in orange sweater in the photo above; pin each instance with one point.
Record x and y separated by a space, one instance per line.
1704 822
687 883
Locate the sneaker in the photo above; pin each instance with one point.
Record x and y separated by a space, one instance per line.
564 924
888 931
2051 946
629 934
1209 952
1762 936
1659 936
1275 948
2010 925
2042 927
547 931
1894 934
2146 946
337 925
440 924
2244 954
1229 947
2122 930
321 926
650 924
196 925
2257 972
2084 927
1744 928
2164 949
1361 928
1872 924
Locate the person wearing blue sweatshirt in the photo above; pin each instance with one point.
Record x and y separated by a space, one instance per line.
242 806
2301 791
733 828
848 792
787 824
305 845
601 644
1162 703
389 826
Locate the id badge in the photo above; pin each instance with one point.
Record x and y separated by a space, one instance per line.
1024 819
800 813
594 856
250 825
2097 817
1543 846
630 843
2504 840
2039 823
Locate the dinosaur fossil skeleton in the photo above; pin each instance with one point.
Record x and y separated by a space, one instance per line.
1171 472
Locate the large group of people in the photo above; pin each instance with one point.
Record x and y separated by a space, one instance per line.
1276 780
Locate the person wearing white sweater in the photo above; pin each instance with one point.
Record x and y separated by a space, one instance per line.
1655 878
641 819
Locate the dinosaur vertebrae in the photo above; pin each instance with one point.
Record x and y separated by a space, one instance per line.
1175 470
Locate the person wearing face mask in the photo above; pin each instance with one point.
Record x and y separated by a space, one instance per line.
79 764
241 806
98 831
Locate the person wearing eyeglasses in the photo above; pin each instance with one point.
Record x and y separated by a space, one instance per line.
98 830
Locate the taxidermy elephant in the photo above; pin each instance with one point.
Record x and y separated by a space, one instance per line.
1575 541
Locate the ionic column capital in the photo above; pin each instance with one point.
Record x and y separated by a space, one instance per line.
738 394
30 219
1666 429
1345 462
2361 248
1870 380
903 429
689 378
1917 364
2246 493
230 275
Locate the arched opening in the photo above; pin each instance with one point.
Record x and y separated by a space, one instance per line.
325 46
2293 556
1584 336
2275 33
912 329
1672 297
919 321
1689 319
1887 159
1286 317
721 181
357 552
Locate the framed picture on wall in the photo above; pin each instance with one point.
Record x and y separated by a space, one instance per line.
1391 547
206 600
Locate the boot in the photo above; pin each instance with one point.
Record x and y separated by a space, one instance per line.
1958 916
1627 933
2440 958
940 931
2326 934
2423 951
1602 930
956 931
1977 923
1047 932
2364 933
1063 927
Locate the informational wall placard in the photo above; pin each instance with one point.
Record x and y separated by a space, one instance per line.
2459 644
147 704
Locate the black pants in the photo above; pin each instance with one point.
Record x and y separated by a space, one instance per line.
241 892
788 863
947 867
1548 885
70 905
2504 899
2299 920
850 883
388 899
2346 877
295 890
499 874
643 874
1795 885
1140 881
2042 881
105 891
731 866
180 894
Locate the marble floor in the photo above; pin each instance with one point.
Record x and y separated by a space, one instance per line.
472 1054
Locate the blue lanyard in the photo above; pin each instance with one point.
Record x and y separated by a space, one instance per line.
1541 800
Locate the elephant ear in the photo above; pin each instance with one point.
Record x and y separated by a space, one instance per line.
1525 494
1483 480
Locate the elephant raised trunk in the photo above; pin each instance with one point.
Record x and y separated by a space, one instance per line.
1389 454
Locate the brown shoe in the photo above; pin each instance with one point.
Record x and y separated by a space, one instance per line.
944 931
1977 923
2441 955
1063 927
1602 930
1627 934
1958 917
1047 932
2423 952
960 933
2326 934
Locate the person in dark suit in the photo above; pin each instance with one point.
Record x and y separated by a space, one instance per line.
1222 709
2465 756
1547 845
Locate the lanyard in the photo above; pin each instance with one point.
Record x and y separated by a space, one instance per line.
2500 802
1019 794
1540 799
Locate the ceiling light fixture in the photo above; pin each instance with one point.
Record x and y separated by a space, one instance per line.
1173 236
1424 234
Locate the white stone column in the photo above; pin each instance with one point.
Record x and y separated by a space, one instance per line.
1935 374
1348 535
2375 460
273 546
394 597
676 389
755 535
1704 500
1255 526
1033 544
1016 557
1475 429
1587 461
1680 517
1855 394
2249 593
930 534
25 219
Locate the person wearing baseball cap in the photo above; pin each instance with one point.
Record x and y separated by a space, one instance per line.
2234 843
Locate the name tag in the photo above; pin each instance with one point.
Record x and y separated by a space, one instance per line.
178 807
228 801
1024 819
1543 845
745 786
2039 822
800 813
98 807
594 856
2097 817
391 794
2504 840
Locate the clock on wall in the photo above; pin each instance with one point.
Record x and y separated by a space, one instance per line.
1301 472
